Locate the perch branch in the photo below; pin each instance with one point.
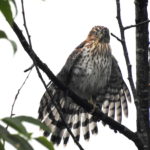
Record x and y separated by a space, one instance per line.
59 111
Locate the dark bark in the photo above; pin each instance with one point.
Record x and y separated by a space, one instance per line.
142 71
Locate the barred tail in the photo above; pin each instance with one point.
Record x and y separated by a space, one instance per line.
115 101
75 117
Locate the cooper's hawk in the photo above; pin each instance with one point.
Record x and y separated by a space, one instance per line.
92 72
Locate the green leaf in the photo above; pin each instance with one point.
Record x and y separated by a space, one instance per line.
17 125
6 10
1 146
33 121
14 45
45 142
13 1
17 141
3 34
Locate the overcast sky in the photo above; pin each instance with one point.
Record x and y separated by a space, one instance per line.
56 28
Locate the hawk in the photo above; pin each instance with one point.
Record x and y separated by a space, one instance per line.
91 72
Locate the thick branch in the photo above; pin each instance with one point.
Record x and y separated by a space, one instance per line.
142 71
83 103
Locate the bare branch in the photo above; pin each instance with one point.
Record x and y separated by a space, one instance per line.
18 93
59 110
25 25
135 25
15 99
116 37
16 96
129 66
28 69
42 80
81 102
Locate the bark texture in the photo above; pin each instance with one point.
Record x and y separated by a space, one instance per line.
142 71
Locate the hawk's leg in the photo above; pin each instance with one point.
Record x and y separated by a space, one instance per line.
91 101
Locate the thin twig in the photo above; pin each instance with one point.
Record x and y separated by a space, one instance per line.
28 69
40 76
15 99
120 40
76 99
135 25
25 25
18 93
128 64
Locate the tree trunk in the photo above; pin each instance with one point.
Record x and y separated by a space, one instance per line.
142 73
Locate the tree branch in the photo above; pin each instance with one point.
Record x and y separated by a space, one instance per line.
136 25
15 99
123 42
42 80
142 71
59 111
26 70
83 103
12 109
120 40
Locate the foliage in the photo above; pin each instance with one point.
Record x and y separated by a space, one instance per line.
4 36
21 139
7 12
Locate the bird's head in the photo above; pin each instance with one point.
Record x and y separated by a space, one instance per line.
99 33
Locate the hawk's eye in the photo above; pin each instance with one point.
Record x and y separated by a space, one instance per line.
105 31
96 33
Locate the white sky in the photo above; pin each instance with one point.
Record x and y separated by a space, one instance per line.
56 28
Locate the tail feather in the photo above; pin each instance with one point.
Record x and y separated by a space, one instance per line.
112 104
85 125
124 103
93 125
94 128
66 133
76 126
58 131
127 92
111 112
118 111
105 107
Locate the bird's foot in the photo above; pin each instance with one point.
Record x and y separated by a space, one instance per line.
90 101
